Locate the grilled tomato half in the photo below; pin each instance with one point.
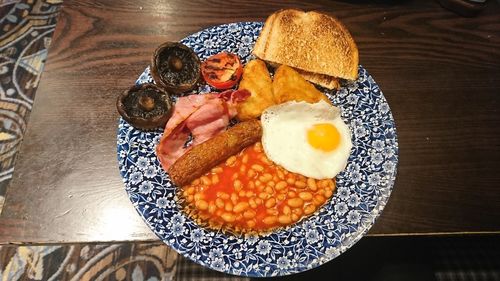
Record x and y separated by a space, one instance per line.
222 71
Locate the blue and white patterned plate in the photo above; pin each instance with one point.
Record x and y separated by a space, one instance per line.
363 188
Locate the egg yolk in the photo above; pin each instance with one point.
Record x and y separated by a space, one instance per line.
323 136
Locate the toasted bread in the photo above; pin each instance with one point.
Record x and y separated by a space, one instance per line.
309 41
326 81
322 80
257 80
289 85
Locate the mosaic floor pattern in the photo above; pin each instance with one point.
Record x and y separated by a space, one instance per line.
127 261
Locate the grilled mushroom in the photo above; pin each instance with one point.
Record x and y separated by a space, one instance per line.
145 106
175 67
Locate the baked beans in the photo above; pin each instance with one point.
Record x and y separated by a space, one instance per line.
249 193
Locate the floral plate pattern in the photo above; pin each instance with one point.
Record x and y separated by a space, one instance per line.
363 188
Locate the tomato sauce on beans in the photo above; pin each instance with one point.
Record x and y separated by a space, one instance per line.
249 193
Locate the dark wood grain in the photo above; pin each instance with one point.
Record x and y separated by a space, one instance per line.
439 72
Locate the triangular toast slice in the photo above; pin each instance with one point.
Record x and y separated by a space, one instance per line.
309 41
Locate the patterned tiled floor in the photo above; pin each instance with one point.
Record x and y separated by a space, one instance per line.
128 261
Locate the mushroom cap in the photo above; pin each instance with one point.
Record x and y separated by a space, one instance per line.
175 67
145 106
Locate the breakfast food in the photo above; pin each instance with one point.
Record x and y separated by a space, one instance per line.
145 106
201 158
202 117
310 41
323 80
175 67
222 71
250 194
309 139
257 175
288 85
257 80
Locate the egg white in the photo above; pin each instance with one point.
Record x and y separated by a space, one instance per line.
284 138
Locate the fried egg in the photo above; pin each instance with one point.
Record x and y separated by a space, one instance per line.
309 139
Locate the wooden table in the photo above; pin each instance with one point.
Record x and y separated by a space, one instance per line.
439 72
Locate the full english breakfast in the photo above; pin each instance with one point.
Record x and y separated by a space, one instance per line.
277 164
